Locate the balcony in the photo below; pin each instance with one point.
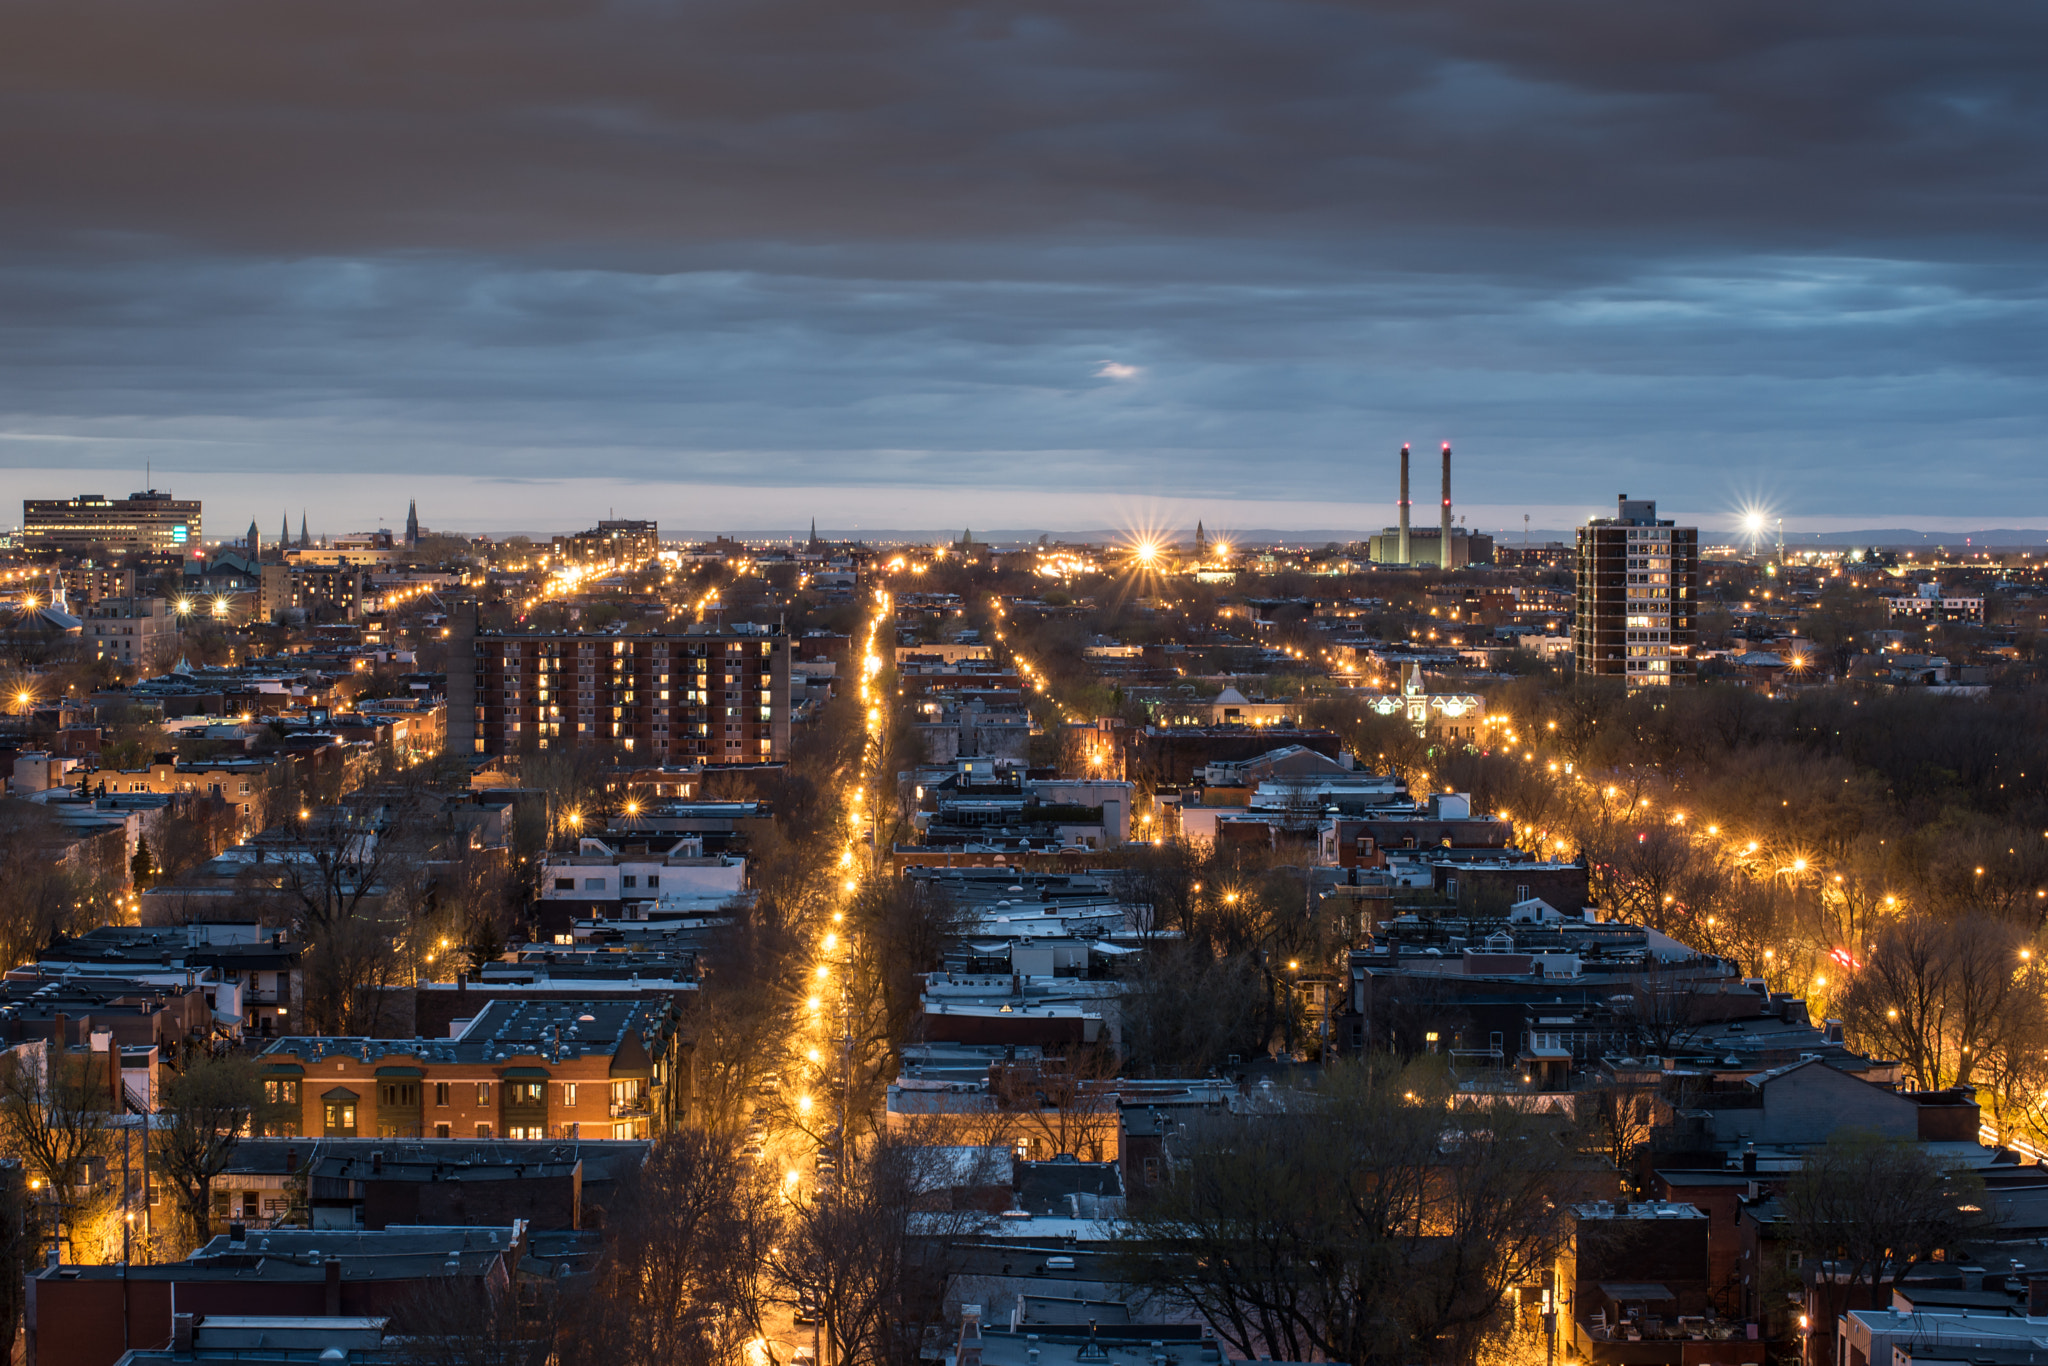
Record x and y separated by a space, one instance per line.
634 1108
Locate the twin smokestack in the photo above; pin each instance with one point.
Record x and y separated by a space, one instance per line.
1443 545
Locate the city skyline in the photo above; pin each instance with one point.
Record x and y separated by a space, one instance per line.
469 506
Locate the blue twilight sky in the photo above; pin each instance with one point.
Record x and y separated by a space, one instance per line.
738 263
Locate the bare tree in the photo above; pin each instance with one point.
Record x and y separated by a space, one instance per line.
741 1014
17 1247
205 1110
350 877
1666 1006
454 1322
1617 1120
56 1112
1187 1010
1366 1222
43 893
1948 998
1063 1103
874 1255
685 1246
1872 1208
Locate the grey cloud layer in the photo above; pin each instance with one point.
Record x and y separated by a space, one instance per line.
1730 250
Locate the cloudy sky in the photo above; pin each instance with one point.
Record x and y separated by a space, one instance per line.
738 263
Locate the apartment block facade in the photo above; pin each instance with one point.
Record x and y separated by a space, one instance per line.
658 699
321 591
139 632
619 541
1636 614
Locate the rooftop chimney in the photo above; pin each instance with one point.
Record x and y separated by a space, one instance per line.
1444 545
1403 504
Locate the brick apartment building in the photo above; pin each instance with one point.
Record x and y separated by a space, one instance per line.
720 698
1636 616
622 541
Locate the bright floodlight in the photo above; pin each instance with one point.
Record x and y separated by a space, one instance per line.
1147 551
1753 523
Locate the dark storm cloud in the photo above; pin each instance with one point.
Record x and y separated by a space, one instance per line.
1203 247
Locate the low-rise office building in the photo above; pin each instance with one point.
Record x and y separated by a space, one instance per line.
145 523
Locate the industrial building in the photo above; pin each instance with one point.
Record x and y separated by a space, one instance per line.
1443 546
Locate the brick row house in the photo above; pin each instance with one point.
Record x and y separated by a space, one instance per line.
519 1069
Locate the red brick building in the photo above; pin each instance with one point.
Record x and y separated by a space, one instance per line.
662 699
521 1069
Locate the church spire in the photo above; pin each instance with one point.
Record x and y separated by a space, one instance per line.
255 544
1201 542
305 541
412 525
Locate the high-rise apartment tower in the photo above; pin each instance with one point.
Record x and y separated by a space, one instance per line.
1636 614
